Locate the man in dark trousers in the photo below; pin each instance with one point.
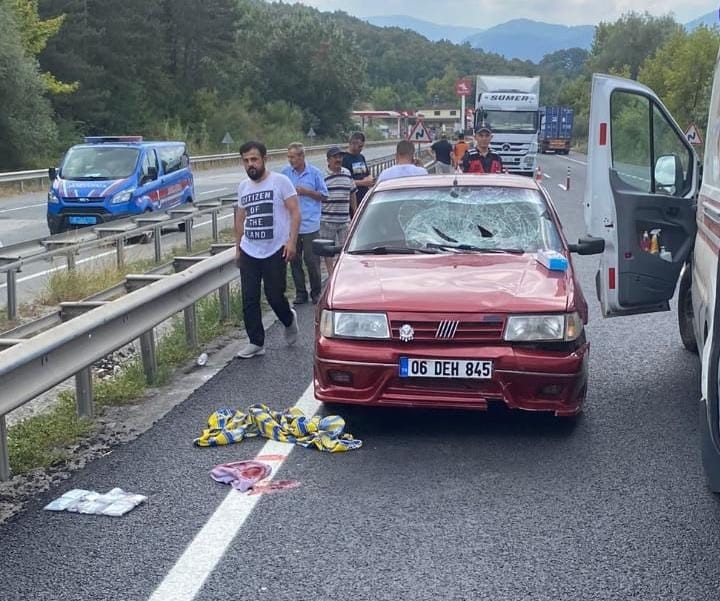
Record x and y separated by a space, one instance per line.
442 151
481 159
355 163
266 232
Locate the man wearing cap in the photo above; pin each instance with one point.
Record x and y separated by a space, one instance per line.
340 202
481 159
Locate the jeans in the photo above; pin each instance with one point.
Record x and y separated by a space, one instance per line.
312 262
442 167
271 272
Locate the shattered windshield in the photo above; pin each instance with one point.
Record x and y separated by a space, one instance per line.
459 219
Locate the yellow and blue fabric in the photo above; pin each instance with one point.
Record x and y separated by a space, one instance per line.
227 426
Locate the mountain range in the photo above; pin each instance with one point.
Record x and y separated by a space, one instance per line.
523 39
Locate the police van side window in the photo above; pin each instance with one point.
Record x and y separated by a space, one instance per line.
149 164
647 151
172 157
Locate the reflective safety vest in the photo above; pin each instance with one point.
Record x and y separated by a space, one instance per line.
473 162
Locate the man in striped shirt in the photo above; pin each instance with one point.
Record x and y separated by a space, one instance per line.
341 200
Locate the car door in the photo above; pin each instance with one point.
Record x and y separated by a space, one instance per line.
642 177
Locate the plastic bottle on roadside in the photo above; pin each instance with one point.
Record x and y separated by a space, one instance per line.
655 242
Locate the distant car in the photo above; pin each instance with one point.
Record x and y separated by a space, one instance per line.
441 297
110 177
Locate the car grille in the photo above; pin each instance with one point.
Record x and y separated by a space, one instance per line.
471 328
510 148
431 390
83 199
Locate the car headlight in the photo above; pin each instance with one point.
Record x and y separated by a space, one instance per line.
52 198
523 328
346 324
121 197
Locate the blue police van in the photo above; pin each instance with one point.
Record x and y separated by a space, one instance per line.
110 177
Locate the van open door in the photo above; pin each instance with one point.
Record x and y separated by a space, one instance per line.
640 193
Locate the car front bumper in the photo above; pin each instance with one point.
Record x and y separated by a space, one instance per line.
522 378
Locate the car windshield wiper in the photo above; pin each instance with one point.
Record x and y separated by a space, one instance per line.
392 250
479 249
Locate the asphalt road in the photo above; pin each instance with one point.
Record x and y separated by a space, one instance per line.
436 505
22 218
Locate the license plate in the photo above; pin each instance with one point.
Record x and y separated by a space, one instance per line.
445 368
82 220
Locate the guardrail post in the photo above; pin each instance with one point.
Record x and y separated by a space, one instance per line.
4 455
11 277
149 358
157 233
191 337
214 218
224 298
70 258
120 252
188 235
84 392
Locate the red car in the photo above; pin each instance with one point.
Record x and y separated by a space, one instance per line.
454 291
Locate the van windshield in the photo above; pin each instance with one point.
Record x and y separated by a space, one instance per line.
99 163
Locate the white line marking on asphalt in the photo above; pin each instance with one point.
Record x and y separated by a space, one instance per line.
42 204
546 176
575 160
216 190
562 187
202 555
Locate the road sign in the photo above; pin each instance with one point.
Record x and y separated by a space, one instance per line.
693 135
463 87
227 139
419 132
311 133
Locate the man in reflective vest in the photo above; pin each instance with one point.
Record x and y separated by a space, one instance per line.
481 159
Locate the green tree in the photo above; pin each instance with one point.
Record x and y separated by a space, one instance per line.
681 73
442 88
623 46
26 126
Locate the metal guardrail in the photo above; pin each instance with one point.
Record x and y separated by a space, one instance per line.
69 244
41 175
94 328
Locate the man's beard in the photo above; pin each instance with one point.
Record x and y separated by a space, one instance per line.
255 173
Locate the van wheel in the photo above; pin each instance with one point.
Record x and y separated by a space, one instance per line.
685 311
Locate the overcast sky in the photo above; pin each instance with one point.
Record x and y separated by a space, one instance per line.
486 13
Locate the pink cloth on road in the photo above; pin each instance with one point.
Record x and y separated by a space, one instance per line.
241 475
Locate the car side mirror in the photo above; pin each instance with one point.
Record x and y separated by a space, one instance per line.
588 246
52 173
668 172
325 248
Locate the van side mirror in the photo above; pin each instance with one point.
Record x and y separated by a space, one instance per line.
588 246
52 173
668 173
325 248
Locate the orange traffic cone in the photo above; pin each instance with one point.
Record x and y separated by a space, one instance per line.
538 174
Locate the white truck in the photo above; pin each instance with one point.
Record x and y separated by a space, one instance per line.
510 105
644 176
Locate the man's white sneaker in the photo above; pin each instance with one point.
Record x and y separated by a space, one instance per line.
250 350
291 331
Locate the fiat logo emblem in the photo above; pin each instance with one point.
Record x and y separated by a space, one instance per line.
406 333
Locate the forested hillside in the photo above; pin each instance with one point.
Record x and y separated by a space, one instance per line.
195 69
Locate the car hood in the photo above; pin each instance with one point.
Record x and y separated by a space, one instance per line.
89 189
449 283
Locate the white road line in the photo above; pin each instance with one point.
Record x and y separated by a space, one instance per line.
547 176
562 187
42 204
202 555
216 190
575 161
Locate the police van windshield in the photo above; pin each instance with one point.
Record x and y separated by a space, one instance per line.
507 122
99 163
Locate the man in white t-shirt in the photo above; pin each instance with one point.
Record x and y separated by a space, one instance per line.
266 231
404 163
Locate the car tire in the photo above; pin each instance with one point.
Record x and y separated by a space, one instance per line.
685 311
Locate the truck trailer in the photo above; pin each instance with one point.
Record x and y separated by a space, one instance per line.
556 124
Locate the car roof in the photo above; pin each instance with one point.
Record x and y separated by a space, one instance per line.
143 144
463 179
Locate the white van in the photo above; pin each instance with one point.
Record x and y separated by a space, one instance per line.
643 197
